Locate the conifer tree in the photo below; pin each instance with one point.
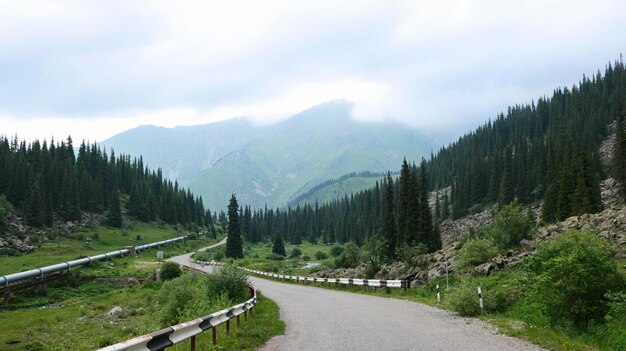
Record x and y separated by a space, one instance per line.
389 221
114 216
278 246
234 245
35 207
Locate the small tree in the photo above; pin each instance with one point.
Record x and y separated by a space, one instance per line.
278 245
510 226
170 270
572 276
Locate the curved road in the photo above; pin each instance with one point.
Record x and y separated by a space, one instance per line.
322 319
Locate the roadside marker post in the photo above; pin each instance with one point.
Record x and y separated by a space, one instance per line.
438 295
480 300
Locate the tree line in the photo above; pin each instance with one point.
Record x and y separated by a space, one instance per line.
395 210
541 151
48 182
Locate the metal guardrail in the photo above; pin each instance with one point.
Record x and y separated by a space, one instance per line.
382 283
39 272
172 335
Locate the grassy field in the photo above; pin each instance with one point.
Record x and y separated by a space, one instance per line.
98 240
73 314
256 258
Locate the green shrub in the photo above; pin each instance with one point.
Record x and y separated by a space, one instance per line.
306 258
409 254
218 255
510 226
228 280
573 275
350 257
463 298
275 257
321 255
177 295
170 270
336 250
295 252
476 251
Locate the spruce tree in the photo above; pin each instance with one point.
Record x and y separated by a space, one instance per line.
35 211
114 216
234 245
389 221
278 245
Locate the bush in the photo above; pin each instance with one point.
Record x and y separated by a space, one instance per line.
463 298
409 254
177 295
306 258
336 250
572 276
274 257
510 226
170 270
228 280
321 255
218 255
350 257
295 252
476 251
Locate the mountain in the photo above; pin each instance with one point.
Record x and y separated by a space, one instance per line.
272 164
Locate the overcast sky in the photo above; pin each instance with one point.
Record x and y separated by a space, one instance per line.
95 68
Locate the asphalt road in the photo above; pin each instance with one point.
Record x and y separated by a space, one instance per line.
321 319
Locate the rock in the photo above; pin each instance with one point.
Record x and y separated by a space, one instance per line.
527 245
114 311
485 268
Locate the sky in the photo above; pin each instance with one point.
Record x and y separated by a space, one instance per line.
93 69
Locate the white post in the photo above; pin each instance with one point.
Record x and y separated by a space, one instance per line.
438 295
447 285
480 300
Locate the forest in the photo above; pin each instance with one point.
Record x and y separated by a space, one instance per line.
548 150
48 182
396 211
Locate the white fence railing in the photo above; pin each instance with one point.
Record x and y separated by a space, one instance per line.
396 283
159 340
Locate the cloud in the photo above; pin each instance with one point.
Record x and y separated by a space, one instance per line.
442 66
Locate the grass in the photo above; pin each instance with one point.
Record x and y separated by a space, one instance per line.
261 326
255 258
98 240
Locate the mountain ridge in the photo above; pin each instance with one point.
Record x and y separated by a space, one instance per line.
272 162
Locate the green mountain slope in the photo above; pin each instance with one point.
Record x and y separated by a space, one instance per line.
271 164
337 188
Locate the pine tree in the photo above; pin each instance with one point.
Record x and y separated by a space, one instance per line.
114 216
234 245
278 245
389 222
35 211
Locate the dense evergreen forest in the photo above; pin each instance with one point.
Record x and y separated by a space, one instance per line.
48 182
547 150
395 211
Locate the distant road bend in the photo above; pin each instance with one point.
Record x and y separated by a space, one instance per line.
322 319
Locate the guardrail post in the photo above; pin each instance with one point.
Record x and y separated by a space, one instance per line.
193 343
214 334
237 320
245 315
227 327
